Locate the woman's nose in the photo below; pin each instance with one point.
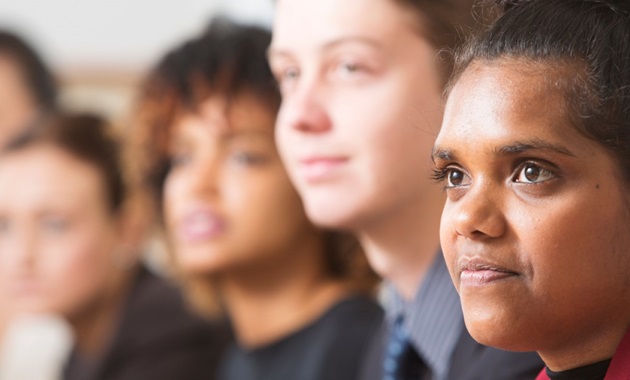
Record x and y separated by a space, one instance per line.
304 111
205 176
19 247
478 215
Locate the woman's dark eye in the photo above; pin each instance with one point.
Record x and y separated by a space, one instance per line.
532 173
455 178
179 159
246 158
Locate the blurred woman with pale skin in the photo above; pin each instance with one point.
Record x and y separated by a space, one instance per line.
298 297
69 245
362 83
27 89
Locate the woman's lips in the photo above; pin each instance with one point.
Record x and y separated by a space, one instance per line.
477 272
315 169
200 226
26 288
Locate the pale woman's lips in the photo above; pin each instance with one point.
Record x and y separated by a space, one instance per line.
320 168
25 287
477 272
200 225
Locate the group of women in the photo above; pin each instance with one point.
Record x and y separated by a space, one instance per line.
525 127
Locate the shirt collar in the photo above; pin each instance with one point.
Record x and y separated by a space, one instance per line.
433 318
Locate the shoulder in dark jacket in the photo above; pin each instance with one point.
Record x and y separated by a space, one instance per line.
159 338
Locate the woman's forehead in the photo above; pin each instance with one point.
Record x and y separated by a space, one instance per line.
507 104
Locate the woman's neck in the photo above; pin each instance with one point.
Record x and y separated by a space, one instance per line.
269 301
402 244
598 346
94 325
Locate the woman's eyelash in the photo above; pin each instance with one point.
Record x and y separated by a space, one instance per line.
439 174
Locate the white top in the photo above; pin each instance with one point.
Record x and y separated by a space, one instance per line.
35 347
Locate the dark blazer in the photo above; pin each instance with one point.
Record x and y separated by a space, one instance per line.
470 361
157 339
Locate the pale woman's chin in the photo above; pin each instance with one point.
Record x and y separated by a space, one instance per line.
34 305
329 209
29 298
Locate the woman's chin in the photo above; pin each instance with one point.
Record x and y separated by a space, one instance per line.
492 328
501 334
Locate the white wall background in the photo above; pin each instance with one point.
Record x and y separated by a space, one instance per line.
100 49
129 34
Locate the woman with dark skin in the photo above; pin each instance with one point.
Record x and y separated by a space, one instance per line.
534 154
297 296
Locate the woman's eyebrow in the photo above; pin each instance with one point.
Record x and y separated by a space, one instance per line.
352 39
278 52
535 144
443 154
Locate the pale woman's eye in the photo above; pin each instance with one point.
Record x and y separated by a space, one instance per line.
349 67
287 75
286 78
54 225
532 173
291 73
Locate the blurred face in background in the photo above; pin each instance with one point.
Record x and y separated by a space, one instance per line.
17 104
228 201
361 107
57 232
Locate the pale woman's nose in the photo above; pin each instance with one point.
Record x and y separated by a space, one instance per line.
304 111
21 248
